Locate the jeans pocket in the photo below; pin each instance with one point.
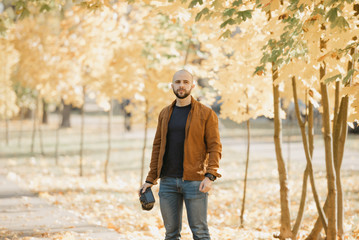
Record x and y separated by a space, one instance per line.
191 190
167 185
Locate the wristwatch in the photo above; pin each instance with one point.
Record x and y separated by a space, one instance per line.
210 176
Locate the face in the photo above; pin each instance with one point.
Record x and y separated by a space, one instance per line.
182 84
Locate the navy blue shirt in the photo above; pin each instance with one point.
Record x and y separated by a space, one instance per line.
173 157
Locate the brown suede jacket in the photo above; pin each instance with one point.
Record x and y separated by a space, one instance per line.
202 145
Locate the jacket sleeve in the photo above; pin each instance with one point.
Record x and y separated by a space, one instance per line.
152 174
213 142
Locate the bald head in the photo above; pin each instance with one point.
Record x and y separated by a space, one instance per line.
182 85
182 75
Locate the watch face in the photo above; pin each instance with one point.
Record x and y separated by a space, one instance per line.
211 177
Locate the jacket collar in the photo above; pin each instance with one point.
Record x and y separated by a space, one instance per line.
193 102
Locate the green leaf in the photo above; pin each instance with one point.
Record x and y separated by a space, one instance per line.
330 3
226 34
332 14
280 61
45 8
334 78
202 12
208 16
265 58
275 54
229 12
237 3
83 5
243 16
272 43
194 3
341 22
319 11
217 4
24 13
2 28
349 74
259 70
229 21
19 7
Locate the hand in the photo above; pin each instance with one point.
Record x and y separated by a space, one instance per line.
205 185
144 187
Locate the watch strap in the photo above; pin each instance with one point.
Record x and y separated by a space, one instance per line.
210 176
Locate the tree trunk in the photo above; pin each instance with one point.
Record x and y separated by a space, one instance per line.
45 119
303 198
289 135
7 131
144 142
340 132
342 124
58 138
336 133
315 233
82 132
21 127
57 146
66 113
246 171
28 113
40 110
310 128
34 128
308 155
127 115
109 139
41 140
327 133
285 229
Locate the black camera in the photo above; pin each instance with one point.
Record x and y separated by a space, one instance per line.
147 199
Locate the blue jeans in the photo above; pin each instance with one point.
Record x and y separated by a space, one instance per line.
173 191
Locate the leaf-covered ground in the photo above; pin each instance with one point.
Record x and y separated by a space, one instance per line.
115 205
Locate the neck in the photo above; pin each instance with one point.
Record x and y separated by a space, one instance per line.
183 102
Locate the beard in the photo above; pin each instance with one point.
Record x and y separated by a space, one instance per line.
182 95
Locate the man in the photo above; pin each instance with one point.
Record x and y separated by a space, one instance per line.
185 155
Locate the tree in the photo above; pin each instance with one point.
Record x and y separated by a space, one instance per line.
247 98
8 104
162 40
314 30
295 34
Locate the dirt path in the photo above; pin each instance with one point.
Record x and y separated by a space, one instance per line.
23 214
